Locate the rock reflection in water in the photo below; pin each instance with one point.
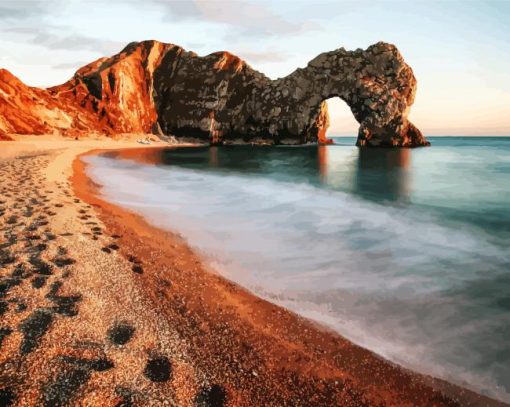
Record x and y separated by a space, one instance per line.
375 174
383 174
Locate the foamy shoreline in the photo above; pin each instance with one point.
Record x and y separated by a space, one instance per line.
219 338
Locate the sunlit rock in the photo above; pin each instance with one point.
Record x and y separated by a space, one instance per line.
152 87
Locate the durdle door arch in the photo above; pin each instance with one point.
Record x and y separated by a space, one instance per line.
161 88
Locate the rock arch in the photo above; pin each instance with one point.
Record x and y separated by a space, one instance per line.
377 85
161 88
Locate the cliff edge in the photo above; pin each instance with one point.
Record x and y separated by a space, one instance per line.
153 87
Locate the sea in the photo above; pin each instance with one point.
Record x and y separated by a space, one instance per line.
403 251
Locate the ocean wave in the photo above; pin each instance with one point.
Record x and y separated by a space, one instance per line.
396 280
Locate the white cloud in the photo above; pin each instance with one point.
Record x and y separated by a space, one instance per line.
241 17
261 56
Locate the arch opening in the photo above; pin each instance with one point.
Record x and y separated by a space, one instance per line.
341 120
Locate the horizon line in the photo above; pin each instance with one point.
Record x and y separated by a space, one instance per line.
436 135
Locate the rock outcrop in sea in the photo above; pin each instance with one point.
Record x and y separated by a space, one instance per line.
153 87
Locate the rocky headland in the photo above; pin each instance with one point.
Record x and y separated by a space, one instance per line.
153 87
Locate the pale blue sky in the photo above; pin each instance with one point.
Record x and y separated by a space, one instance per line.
459 50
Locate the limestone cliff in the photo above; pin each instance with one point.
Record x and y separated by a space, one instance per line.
163 89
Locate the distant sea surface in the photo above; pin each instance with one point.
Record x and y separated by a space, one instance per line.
406 252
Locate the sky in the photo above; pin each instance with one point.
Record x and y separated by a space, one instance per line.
459 50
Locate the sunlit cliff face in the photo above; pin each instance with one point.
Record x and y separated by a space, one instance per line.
229 62
163 89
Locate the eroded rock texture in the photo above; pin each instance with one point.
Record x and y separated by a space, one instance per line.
152 87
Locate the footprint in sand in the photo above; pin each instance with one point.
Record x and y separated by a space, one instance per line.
4 306
38 282
137 269
63 261
20 306
50 236
97 230
127 395
6 258
7 397
120 333
20 271
12 220
137 266
7 283
74 373
40 266
158 369
64 305
214 396
33 328
4 332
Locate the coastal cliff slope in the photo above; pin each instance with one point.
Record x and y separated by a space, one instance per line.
153 87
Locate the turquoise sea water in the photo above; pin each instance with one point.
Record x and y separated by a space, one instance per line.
406 252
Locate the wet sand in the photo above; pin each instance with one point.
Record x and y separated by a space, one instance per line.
100 308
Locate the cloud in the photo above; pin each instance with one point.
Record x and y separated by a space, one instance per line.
26 22
263 56
34 22
70 65
57 38
8 12
241 17
23 9
182 9
75 42
193 46
29 21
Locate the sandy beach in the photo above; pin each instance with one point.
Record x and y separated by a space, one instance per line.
100 308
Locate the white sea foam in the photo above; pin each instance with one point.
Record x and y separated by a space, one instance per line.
386 277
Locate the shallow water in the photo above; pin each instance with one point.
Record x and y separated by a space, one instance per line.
405 252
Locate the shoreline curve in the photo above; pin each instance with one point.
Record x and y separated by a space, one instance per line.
263 353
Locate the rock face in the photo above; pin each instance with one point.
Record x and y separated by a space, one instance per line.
27 110
152 87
